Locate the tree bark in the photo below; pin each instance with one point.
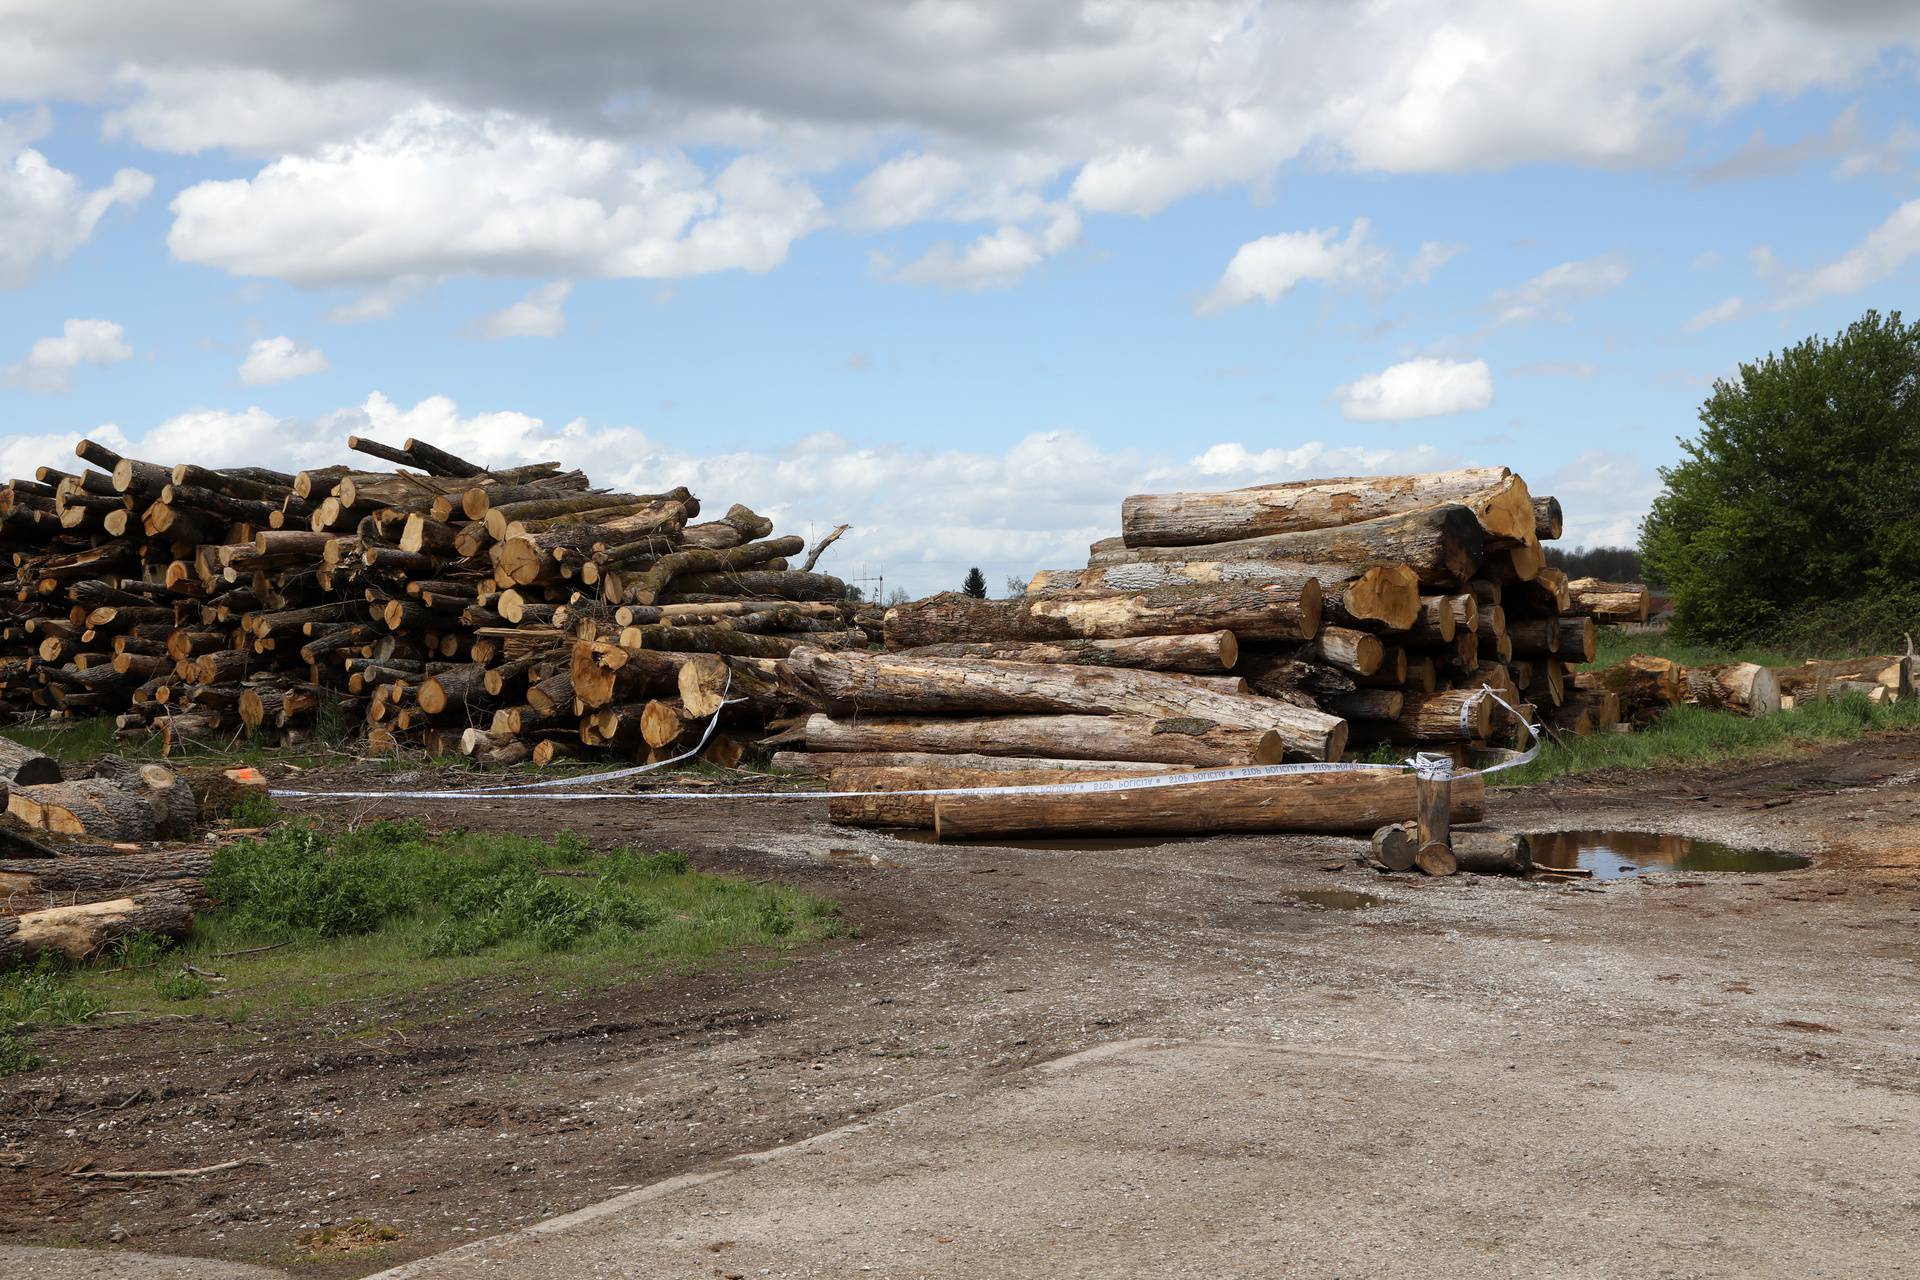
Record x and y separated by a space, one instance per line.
1251 614
888 809
893 684
1612 603
21 876
1386 596
1166 741
1443 546
80 932
24 766
1646 686
1742 687
822 762
1498 499
1328 802
1206 652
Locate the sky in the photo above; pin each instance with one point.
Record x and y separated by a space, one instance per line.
961 273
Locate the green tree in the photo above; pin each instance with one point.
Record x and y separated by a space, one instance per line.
975 584
1795 514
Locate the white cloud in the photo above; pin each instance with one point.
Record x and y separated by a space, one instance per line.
380 302
540 314
1883 252
1432 256
1547 296
45 213
1269 268
19 454
437 193
280 360
975 111
1605 495
49 365
1708 260
1719 313
1422 388
996 260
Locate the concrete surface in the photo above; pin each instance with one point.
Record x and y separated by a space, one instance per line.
20 1263
1228 1159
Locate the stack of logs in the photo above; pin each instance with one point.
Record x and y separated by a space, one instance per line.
1290 621
1647 686
507 613
80 863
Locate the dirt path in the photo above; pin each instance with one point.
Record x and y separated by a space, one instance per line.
502 1107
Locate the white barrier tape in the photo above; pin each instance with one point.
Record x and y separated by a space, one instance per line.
1143 782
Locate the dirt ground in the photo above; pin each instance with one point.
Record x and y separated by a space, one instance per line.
971 963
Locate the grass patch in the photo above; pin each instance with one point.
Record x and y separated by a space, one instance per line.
342 922
1689 735
44 995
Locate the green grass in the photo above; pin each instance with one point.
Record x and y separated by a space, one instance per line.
341 925
1615 645
1689 735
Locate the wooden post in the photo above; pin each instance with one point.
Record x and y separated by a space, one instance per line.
1433 777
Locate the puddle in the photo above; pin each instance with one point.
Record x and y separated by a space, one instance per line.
1609 855
1056 844
1331 899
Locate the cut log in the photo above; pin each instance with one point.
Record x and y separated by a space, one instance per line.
820 763
81 932
1345 648
890 809
98 876
1547 520
1498 499
1741 687
88 806
897 684
1206 652
1327 802
1612 603
1169 741
25 767
1384 595
1393 847
1248 612
1646 686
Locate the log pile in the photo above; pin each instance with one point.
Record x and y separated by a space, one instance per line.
1297 621
415 598
80 869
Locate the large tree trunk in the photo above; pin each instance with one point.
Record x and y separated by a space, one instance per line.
26 767
1248 612
1733 686
1498 499
888 809
1207 652
896 684
1326 802
822 762
1166 741
1443 546
96 876
80 932
1804 682
90 806
1384 595
1612 603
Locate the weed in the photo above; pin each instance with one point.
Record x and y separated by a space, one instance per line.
181 985
253 809
16 1055
141 951
44 995
1690 735
349 1237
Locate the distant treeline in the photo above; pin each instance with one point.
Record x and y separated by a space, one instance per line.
1613 564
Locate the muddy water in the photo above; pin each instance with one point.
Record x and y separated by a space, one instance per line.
1610 855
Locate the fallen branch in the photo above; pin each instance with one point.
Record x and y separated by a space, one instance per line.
134 1175
813 556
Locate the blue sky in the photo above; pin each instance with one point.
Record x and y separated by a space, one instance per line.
962 274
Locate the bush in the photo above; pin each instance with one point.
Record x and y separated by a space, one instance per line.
16 1055
1795 516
